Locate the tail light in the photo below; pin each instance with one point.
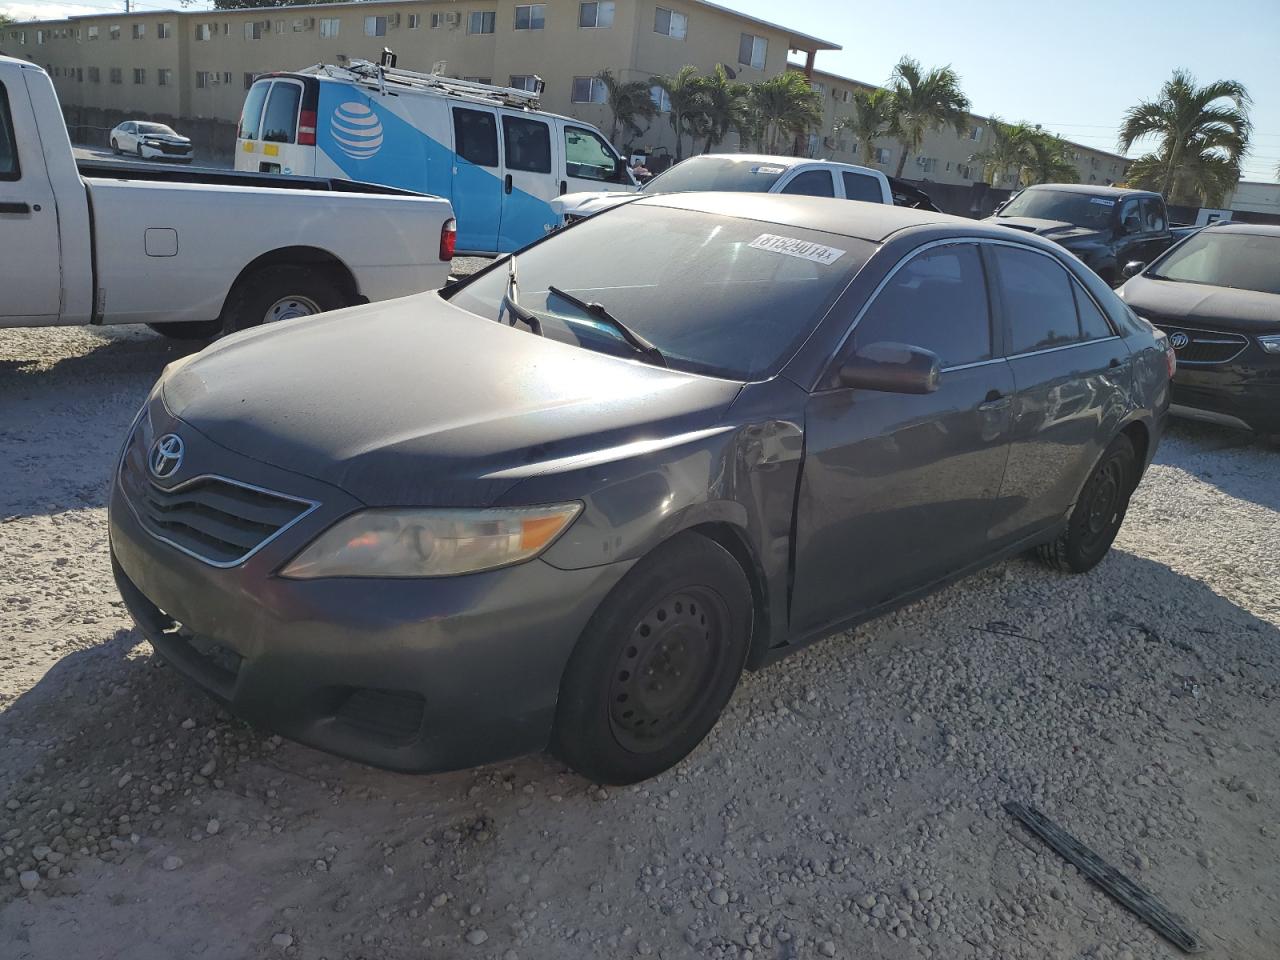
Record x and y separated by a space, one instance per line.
448 239
307 128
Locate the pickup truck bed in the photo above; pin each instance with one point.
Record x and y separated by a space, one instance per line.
216 176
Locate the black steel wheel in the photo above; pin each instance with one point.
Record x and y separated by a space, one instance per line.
1098 513
657 663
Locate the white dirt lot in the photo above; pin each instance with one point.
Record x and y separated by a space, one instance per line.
849 804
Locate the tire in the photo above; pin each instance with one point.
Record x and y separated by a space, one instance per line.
1098 513
280 293
115 148
139 149
199 330
683 615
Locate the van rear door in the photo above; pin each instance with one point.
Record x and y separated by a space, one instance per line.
278 127
478 183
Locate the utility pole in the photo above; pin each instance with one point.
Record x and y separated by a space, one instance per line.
126 6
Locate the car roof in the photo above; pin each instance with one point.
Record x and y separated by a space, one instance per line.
1254 229
777 161
1093 191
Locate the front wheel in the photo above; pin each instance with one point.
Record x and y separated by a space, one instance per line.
139 151
656 665
1098 513
280 293
115 148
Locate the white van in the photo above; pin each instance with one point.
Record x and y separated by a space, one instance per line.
487 149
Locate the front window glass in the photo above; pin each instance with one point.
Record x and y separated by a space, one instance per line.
717 173
280 122
938 301
717 295
1063 206
587 156
1244 261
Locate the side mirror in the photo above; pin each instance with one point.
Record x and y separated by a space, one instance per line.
1132 268
892 368
999 206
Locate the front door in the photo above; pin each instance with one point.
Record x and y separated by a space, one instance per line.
30 258
896 490
1070 373
477 178
528 184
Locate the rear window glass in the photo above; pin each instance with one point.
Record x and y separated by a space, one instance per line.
1038 301
858 186
812 183
8 144
252 111
280 122
528 145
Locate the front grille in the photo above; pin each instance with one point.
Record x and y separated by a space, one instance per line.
220 521
178 148
1204 346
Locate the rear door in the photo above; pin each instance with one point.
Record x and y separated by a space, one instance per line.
30 257
277 135
528 184
590 163
1070 373
477 178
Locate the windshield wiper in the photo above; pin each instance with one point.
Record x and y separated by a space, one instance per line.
511 305
598 312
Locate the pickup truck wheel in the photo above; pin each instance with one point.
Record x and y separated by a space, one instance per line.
656 664
280 293
199 330
1098 513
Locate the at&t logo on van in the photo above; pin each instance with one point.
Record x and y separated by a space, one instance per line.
356 130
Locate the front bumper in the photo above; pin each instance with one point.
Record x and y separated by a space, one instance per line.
159 153
1247 390
415 675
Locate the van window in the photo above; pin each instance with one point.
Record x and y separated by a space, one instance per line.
8 143
280 120
252 112
475 134
528 144
586 155
858 186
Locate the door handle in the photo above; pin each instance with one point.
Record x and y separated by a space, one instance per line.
995 401
508 183
1118 362
15 208
564 187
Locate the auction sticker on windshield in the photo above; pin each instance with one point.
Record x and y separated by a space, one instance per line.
793 247
768 169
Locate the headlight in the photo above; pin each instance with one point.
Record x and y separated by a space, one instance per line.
431 542
1270 344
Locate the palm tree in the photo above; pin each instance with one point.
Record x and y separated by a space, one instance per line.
787 107
924 102
1048 160
871 116
627 101
684 90
1008 148
1203 135
724 106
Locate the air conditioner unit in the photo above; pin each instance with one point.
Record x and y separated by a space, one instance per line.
454 18
308 23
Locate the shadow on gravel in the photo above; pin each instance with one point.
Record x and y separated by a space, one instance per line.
112 358
1241 465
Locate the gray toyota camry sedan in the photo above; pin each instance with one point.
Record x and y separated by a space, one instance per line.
564 503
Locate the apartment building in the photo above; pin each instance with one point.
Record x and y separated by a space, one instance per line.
944 157
196 65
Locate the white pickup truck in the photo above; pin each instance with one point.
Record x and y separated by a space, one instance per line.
192 253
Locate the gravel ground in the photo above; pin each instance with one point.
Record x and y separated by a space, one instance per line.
848 804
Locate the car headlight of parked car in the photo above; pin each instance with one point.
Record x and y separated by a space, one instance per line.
1271 344
431 542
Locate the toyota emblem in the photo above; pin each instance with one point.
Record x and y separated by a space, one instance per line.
166 456
1178 340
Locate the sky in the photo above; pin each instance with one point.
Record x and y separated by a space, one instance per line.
1074 68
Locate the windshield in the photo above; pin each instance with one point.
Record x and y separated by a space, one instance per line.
717 173
1077 208
155 128
718 296
1244 261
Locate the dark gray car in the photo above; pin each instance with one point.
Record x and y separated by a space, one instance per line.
704 431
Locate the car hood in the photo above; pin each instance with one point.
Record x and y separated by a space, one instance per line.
417 402
1220 308
165 137
1056 230
588 204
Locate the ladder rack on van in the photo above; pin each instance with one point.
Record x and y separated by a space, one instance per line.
363 71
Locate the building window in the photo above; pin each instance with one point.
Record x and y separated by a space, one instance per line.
39 38
164 76
752 50
883 154
204 31
116 75
927 164
92 33
139 31
248 80
329 27
484 80
661 99
524 82
670 24
279 26
253 30
531 16
588 90
164 31
95 75
79 75
437 21
204 79
113 31
975 134
139 75
375 26
226 77
481 21
596 14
